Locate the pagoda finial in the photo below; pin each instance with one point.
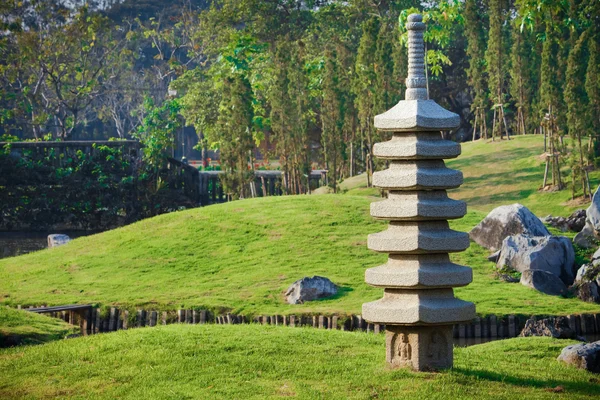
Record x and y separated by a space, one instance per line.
416 82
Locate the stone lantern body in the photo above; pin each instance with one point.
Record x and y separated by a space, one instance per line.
418 307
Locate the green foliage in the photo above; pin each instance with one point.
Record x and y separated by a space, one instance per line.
441 19
101 188
157 131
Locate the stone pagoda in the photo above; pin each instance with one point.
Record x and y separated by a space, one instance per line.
418 307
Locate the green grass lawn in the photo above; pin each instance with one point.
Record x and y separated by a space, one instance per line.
241 256
22 327
238 362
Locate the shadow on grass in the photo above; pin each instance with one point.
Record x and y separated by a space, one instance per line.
588 388
342 291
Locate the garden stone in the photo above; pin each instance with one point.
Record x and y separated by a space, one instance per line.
554 254
309 289
57 239
557 328
544 282
581 272
590 233
494 256
583 355
588 291
418 307
506 221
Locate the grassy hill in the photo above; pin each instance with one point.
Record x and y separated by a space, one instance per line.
499 173
241 256
235 362
22 327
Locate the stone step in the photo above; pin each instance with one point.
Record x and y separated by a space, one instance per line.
418 237
417 175
412 307
416 115
413 146
419 271
415 206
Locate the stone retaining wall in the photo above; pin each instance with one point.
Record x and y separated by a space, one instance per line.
488 327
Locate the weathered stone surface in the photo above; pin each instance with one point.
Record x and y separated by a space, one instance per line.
585 238
575 222
419 347
57 239
416 115
308 289
412 146
419 271
544 282
506 221
418 238
410 307
417 175
422 205
584 356
557 328
419 276
588 291
581 273
494 256
553 254
590 234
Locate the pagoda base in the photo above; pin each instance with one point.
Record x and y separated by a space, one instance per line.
422 348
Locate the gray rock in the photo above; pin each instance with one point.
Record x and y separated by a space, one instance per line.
588 291
554 254
590 233
596 255
494 256
574 222
57 239
585 238
544 282
581 273
507 221
308 289
552 327
584 356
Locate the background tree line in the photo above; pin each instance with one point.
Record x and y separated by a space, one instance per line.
302 80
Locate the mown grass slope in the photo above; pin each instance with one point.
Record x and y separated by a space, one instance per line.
242 256
235 362
22 327
499 173
505 172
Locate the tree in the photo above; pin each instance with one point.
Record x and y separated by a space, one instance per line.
575 97
476 76
497 63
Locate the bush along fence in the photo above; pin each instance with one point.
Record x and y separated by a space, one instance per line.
96 320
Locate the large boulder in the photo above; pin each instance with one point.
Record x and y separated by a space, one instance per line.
507 221
57 239
557 328
544 282
584 356
590 234
554 254
308 289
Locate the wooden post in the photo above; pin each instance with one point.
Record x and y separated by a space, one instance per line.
293 321
493 326
512 330
125 319
203 316
477 327
334 322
